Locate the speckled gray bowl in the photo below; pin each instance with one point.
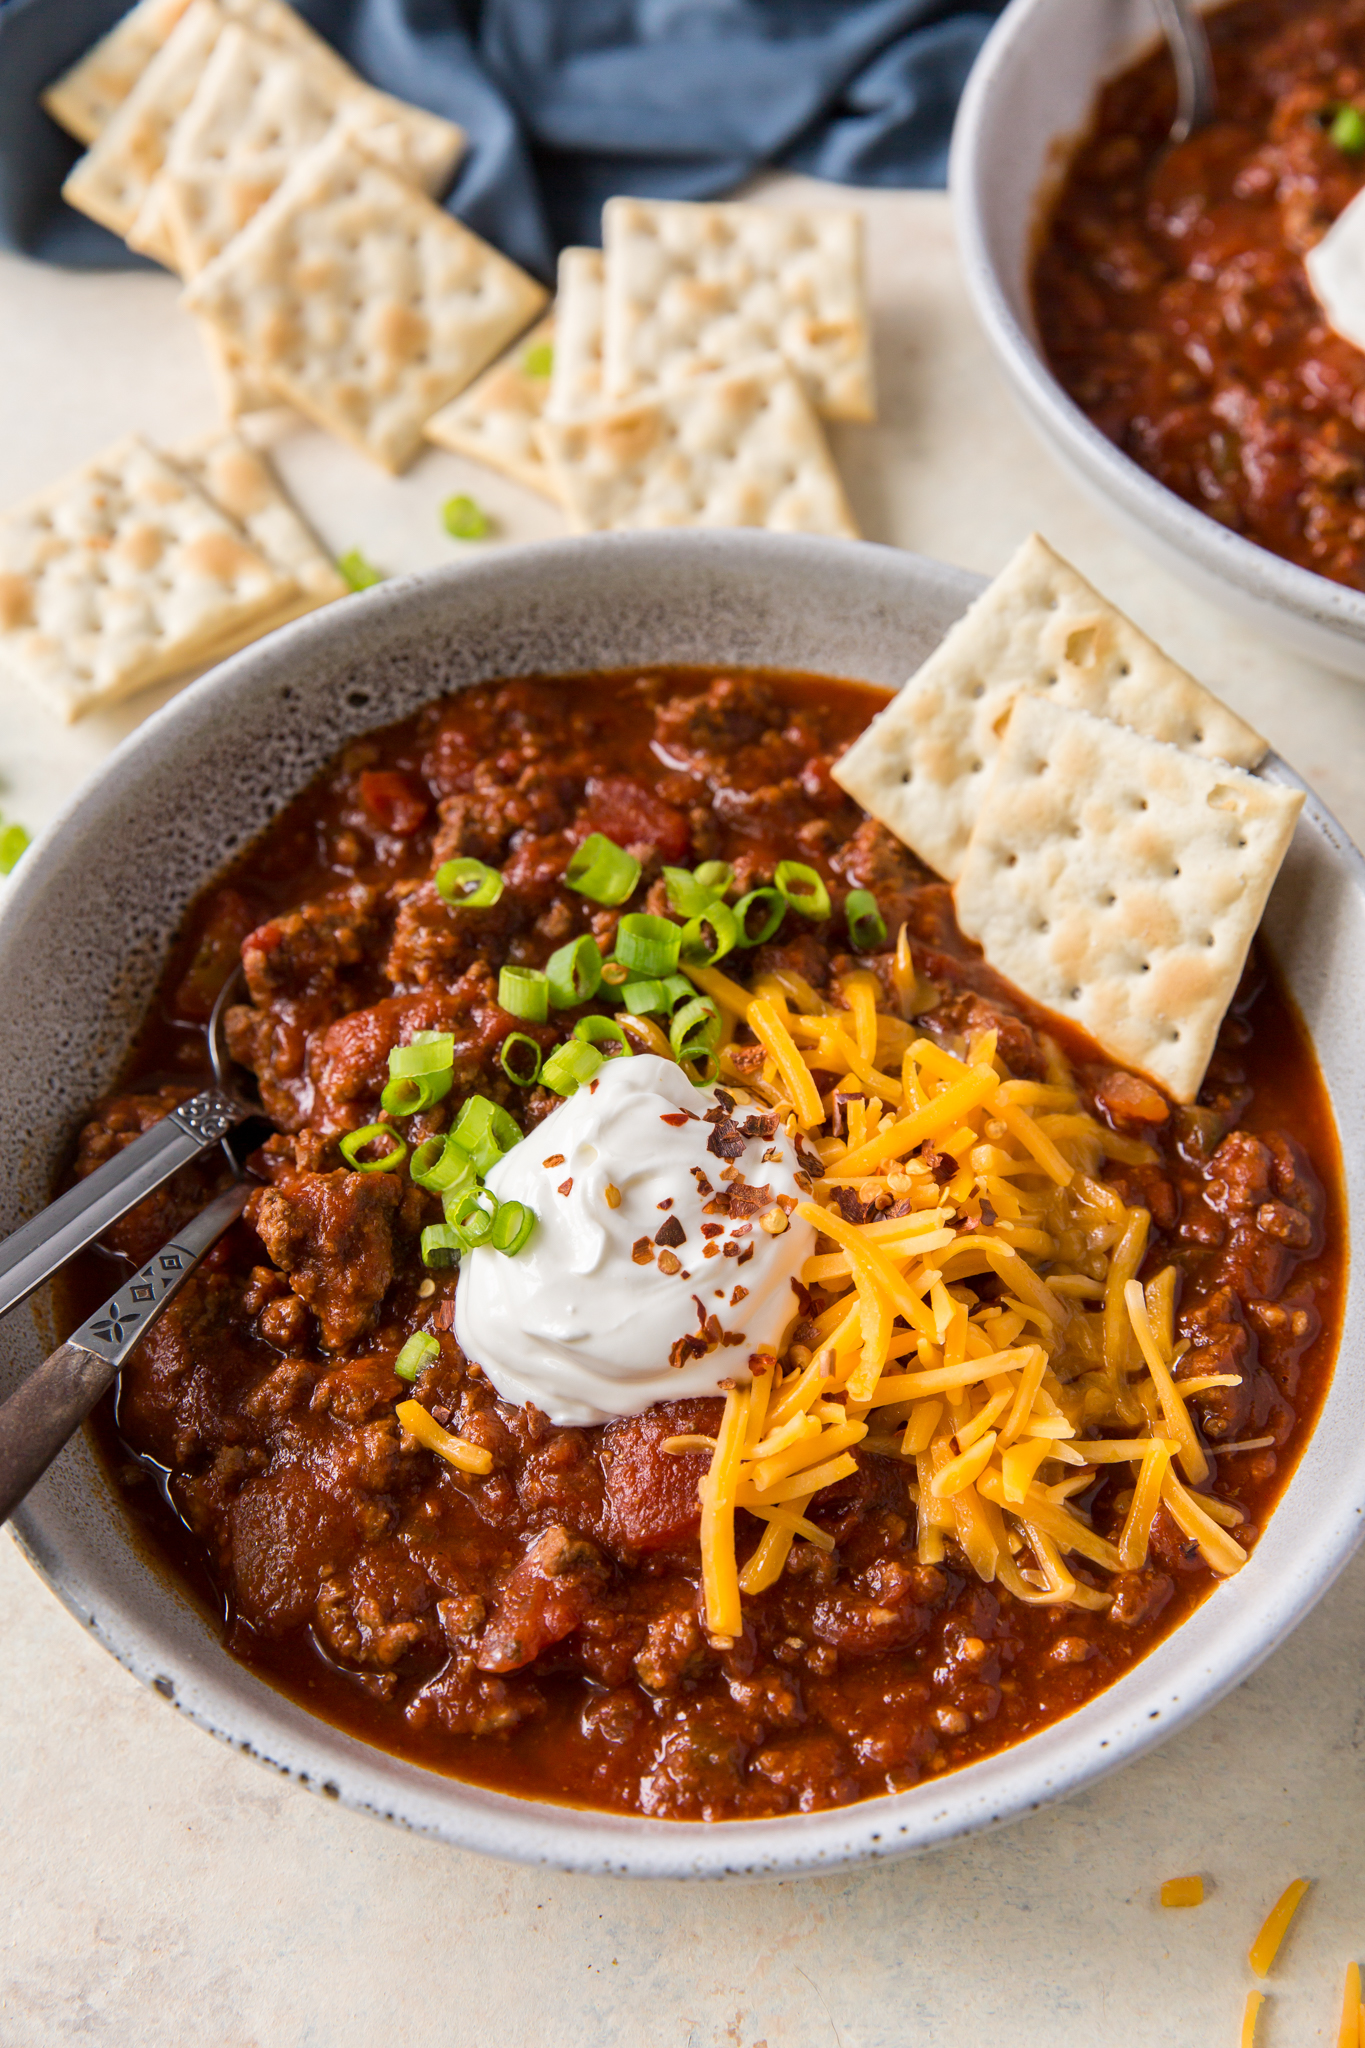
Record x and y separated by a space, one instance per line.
85 927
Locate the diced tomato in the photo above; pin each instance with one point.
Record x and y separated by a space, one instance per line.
653 1492
633 815
395 801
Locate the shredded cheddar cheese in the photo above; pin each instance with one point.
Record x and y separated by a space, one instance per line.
1183 1891
1004 1410
1265 1948
466 1457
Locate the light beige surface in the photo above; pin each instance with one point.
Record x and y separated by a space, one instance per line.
1119 880
161 1889
922 766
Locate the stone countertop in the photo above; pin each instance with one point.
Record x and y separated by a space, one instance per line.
161 1888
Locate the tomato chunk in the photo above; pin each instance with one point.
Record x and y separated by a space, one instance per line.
633 815
395 801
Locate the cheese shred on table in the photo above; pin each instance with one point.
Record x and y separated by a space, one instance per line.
1004 1412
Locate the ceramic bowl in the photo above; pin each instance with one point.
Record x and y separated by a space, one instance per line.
1029 97
84 930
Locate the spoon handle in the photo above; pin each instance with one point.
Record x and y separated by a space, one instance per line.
33 1252
47 1407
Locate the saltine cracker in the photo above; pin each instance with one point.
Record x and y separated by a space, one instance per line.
85 99
922 764
576 379
694 287
495 420
361 302
1119 880
742 447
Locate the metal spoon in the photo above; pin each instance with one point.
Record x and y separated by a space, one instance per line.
31 1254
53 1402
1196 93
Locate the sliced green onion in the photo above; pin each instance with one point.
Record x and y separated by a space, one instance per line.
640 997
471 1216
524 992
710 936
866 925
597 1031
407 1094
695 1028
539 359
1348 130
569 1066
574 973
355 1142
690 890
485 1131
512 1226
464 520
648 945
759 914
440 1245
468 884
360 574
602 870
440 1165
803 888
430 1052
699 1063
525 1076
14 841
415 1355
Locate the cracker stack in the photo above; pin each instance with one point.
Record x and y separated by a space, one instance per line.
143 566
694 359
230 142
1092 805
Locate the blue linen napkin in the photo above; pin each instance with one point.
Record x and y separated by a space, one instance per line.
568 101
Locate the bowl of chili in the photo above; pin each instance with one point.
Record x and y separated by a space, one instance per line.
1149 306
622 652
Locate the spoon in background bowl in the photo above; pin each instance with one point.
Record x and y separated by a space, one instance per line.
1195 90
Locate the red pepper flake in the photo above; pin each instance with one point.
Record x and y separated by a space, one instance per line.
731 1251
740 1294
565 1186
773 1154
713 1230
667 1202
678 1117
704 1186
555 1159
747 1200
746 1255
802 1180
712 1251
670 1231
642 1251
787 1203
669 1262
593 1087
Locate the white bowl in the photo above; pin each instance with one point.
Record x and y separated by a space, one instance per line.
82 936
1029 97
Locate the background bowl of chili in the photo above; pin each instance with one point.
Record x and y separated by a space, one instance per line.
84 934
1031 100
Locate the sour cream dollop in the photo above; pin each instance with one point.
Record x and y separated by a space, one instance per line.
581 1321
1336 271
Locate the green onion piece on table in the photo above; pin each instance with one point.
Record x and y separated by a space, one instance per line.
524 992
710 936
569 1066
471 1216
441 1166
866 925
601 1031
759 914
354 1143
690 890
803 888
14 841
647 945
520 1059
1348 130
360 574
441 1246
574 973
539 360
601 870
464 520
415 1355
642 997
485 1131
468 884
512 1226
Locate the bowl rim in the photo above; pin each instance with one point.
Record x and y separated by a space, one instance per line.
1186 1673
1255 571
